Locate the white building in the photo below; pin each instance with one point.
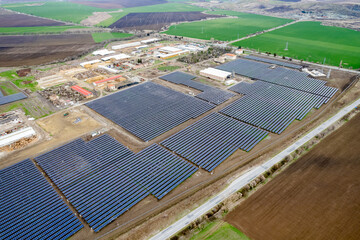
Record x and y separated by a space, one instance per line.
215 74
103 52
16 136
116 57
151 40
83 64
126 45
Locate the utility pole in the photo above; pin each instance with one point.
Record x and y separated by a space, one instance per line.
286 47
324 60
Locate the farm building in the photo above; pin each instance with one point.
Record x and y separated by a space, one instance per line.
239 51
230 56
141 47
82 91
171 55
89 63
126 45
109 69
116 57
16 136
168 50
151 40
215 74
102 52
104 82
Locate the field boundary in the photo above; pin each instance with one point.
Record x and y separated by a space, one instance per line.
250 175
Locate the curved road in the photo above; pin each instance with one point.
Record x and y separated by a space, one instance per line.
247 177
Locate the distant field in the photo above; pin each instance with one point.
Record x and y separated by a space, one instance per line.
219 230
118 3
24 30
63 11
99 37
226 29
316 197
312 42
167 7
23 20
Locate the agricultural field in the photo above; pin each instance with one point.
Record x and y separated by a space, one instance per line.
316 197
219 230
99 37
33 50
22 20
312 42
226 29
173 7
157 20
109 4
63 11
36 30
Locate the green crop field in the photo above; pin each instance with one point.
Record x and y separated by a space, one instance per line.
167 7
226 29
312 42
219 230
99 37
35 30
63 11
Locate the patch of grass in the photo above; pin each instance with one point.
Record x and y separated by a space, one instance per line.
166 7
44 69
226 29
63 11
14 106
28 30
168 68
22 83
9 75
99 37
8 89
312 42
219 230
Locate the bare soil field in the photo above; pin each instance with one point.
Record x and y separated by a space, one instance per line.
22 20
314 198
34 50
110 4
157 20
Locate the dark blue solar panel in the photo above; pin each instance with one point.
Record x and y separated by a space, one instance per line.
272 61
149 110
211 140
210 94
30 207
12 98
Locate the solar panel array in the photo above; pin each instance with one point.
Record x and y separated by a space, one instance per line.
211 140
30 207
158 170
86 174
280 63
11 98
270 106
102 179
280 76
149 110
210 94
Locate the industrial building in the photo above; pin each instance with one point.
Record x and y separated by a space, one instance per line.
89 63
102 52
215 74
84 92
126 45
103 82
116 57
151 40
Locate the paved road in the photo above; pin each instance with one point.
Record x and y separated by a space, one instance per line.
247 177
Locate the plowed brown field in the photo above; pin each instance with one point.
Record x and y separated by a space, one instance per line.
317 197
22 20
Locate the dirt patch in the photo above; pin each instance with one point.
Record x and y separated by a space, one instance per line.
33 50
22 20
157 20
109 4
95 18
314 198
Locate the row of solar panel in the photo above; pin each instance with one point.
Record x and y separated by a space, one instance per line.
210 94
270 106
280 63
102 179
280 76
211 140
156 106
31 209
11 98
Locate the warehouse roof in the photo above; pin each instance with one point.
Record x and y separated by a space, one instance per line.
216 72
107 79
81 90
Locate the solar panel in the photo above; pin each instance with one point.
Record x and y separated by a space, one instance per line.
149 110
280 63
12 98
211 140
209 93
30 207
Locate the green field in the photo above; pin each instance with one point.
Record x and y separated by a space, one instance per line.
63 11
99 37
168 68
35 30
167 7
226 29
312 42
219 230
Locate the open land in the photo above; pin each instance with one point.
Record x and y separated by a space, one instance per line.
226 29
22 20
157 20
99 37
314 198
63 11
175 7
119 4
33 50
312 42
37 30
